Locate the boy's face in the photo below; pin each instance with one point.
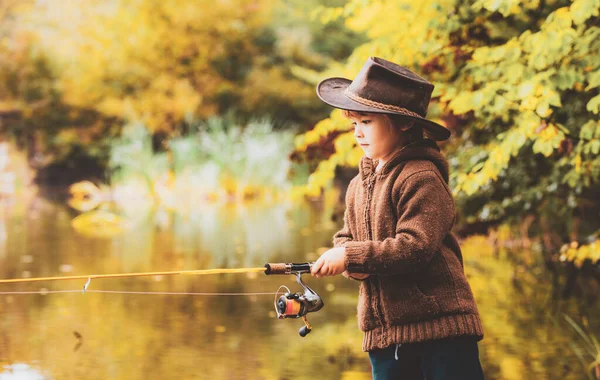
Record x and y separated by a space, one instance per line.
374 134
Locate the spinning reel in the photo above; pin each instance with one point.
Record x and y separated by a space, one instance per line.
295 305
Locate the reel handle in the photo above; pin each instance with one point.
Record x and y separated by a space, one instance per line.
288 268
304 331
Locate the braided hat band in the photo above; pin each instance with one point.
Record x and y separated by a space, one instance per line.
381 106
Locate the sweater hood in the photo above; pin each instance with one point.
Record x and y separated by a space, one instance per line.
425 149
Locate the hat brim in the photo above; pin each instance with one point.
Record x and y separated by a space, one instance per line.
331 91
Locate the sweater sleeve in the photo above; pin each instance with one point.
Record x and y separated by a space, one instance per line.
344 235
426 214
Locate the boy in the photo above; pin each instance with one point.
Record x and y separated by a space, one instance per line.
415 305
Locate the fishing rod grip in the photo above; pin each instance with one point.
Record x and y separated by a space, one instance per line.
287 268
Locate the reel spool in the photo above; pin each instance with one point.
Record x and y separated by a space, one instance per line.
295 305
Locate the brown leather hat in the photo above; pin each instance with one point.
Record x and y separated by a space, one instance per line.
384 87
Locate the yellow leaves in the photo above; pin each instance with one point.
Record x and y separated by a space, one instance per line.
543 109
512 367
353 159
167 98
462 103
336 122
364 20
561 18
156 59
345 143
112 106
578 163
515 85
581 10
505 7
509 52
593 80
498 157
355 375
537 97
590 130
577 254
84 196
400 30
552 43
525 89
346 151
529 103
100 224
594 105
322 177
548 139
297 193
486 99
477 246
274 82
327 14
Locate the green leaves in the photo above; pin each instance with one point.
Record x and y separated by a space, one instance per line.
548 139
566 78
594 105
593 80
505 7
509 52
552 43
590 130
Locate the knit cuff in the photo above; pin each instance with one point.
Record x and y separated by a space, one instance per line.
340 242
356 255
349 275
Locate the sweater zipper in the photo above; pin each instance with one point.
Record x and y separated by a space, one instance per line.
368 209
375 283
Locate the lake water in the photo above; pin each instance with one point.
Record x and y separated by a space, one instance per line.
148 336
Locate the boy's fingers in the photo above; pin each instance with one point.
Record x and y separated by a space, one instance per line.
316 266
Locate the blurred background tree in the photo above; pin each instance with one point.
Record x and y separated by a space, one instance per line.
75 73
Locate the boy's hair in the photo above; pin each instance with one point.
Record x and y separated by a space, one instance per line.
414 133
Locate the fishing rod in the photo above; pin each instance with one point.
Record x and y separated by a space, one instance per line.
288 305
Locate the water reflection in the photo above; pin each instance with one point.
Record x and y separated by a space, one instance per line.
126 336
20 371
147 336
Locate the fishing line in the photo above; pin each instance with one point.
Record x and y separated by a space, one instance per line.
122 275
45 292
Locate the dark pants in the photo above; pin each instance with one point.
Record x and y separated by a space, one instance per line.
447 359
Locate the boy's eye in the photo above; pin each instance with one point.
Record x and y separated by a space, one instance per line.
366 121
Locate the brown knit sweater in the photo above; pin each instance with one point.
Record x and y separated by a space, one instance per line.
397 227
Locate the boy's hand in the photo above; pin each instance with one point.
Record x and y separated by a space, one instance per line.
331 263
